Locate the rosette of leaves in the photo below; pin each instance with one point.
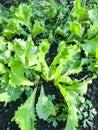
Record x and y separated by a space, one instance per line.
25 46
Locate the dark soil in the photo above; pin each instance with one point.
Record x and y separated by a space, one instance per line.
92 94
7 112
8 3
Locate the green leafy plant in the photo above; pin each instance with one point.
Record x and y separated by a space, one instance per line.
25 116
84 115
44 106
26 41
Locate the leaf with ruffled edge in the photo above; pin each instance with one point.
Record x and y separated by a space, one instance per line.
25 115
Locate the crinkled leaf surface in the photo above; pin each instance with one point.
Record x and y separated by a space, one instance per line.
25 115
79 11
71 95
23 14
13 28
25 51
17 74
23 60
70 98
66 61
76 28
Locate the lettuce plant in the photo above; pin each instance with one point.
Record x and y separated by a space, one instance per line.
25 43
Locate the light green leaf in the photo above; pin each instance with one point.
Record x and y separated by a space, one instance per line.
2 68
22 15
51 38
92 32
25 51
90 46
59 31
13 28
17 74
44 106
79 11
97 53
93 15
2 44
76 28
37 29
53 8
25 115
8 94
4 79
20 47
70 98
81 87
66 61
43 50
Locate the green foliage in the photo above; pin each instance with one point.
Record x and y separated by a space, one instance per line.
61 113
16 75
79 11
22 15
25 115
4 16
72 96
90 46
76 28
37 29
84 114
44 106
8 94
27 33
